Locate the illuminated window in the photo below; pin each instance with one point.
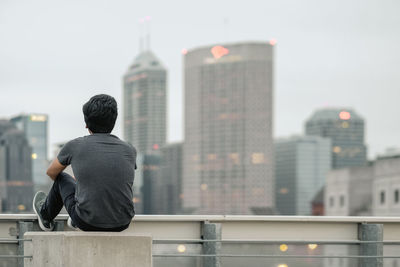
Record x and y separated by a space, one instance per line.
257 158
345 125
21 207
38 118
234 157
34 156
212 156
337 149
203 187
284 191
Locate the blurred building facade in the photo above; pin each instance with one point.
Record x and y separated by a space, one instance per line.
159 181
170 190
16 186
386 186
144 126
228 150
34 126
348 191
145 103
346 130
302 163
372 190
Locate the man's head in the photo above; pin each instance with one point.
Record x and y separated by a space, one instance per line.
100 113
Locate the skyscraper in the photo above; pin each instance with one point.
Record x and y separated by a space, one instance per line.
228 149
144 98
170 188
34 127
16 187
301 166
346 130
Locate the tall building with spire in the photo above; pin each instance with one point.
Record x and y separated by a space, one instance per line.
145 103
144 124
228 151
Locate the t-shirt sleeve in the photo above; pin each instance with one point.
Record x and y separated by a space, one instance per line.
66 153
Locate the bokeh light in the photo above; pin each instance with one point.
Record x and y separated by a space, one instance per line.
345 115
283 247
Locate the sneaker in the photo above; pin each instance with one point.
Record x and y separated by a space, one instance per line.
71 224
38 201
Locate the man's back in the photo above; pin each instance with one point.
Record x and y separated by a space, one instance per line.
103 166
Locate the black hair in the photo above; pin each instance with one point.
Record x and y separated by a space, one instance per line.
100 113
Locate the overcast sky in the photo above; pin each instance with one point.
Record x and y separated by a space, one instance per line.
54 55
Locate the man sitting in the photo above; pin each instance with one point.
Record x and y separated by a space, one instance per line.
99 197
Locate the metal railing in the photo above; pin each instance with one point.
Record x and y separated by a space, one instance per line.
212 234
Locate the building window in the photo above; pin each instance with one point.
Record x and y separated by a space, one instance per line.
331 201
257 158
382 197
341 201
396 196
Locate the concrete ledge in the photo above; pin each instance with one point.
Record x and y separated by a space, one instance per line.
89 249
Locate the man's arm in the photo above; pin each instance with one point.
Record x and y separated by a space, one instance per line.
55 169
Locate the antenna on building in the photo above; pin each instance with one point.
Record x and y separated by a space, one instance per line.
148 32
141 33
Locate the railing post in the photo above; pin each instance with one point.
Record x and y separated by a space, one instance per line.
23 227
211 231
371 232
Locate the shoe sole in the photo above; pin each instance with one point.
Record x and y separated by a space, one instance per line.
69 223
40 221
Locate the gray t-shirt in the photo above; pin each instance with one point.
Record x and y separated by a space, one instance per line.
104 168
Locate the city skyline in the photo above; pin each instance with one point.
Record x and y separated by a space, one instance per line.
326 56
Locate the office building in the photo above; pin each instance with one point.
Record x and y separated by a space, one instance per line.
301 166
34 127
144 103
348 191
151 180
386 186
158 181
346 130
170 188
16 187
228 149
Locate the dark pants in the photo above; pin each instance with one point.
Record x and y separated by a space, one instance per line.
62 193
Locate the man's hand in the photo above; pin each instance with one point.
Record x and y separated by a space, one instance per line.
55 169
